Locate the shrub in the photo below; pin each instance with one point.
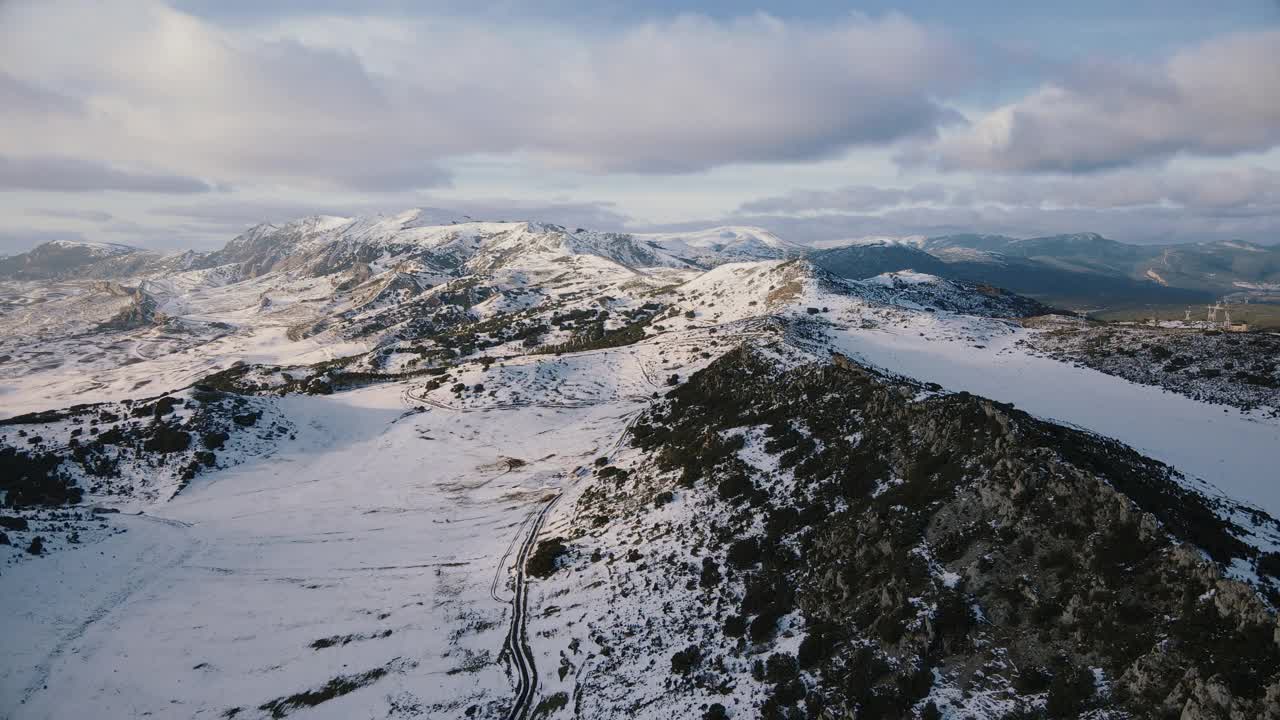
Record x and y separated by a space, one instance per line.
685 661
168 439
13 523
546 557
1069 692
764 625
735 626
814 649
710 574
744 553
734 486
37 545
716 712
781 668
1269 564
550 704
214 440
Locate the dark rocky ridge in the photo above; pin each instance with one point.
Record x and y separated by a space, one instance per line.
946 542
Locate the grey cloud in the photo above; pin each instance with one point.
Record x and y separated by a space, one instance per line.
593 215
1220 98
347 108
20 240
1235 189
852 198
1139 225
1242 203
232 216
19 96
71 214
396 179
65 174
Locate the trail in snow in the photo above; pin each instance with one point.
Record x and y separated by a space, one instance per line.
516 646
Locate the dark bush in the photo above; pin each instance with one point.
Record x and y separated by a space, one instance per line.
13 523
814 649
735 486
214 440
764 625
781 668
710 576
716 712
550 704
167 439
685 661
735 626
546 557
744 553
1070 690
35 479
37 545
1032 680
1269 564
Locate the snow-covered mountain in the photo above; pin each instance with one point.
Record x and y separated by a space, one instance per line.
424 466
707 248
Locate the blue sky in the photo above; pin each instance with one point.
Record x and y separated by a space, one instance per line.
173 124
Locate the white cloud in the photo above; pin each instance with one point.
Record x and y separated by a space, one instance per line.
1219 98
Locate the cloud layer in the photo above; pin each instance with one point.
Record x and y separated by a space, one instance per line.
1135 206
1219 98
66 174
372 105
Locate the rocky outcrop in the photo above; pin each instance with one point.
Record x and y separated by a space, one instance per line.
942 547
142 311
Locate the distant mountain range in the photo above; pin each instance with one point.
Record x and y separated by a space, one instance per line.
1082 271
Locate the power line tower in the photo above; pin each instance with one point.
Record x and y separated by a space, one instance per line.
1214 309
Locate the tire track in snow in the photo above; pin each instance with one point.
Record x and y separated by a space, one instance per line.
502 563
517 643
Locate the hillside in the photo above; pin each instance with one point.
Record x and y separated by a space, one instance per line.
420 466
